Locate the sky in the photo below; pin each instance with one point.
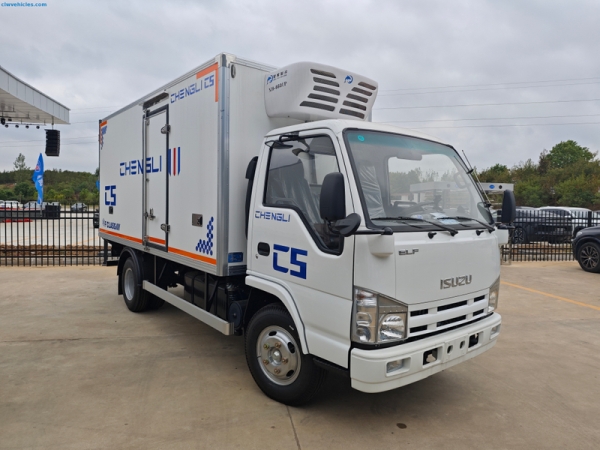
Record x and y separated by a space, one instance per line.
526 74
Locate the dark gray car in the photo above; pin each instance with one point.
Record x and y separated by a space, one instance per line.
586 249
534 225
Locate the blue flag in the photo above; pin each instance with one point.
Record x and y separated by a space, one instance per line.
38 179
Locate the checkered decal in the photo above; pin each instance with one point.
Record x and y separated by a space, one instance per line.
206 246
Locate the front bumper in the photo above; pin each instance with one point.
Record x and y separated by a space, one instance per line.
368 368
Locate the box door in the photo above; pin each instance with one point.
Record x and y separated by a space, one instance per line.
156 142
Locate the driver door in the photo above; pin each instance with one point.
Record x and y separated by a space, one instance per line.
291 244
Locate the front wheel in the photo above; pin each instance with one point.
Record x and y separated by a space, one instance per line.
589 257
520 236
276 361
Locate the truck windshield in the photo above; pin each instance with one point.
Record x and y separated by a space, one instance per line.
407 183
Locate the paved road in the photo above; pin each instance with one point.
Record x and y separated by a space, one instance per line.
78 370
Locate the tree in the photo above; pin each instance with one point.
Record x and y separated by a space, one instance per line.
25 191
20 163
498 173
22 170
568 153
577 191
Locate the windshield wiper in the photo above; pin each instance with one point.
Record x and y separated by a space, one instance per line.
440 226
483 224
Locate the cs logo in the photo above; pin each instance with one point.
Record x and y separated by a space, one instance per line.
110 196
294 253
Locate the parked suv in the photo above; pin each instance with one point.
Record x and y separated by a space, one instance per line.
586 249
579 216
534 225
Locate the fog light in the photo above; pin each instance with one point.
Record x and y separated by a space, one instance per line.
396 365
495 331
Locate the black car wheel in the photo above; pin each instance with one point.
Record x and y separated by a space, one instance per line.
520 236
589 257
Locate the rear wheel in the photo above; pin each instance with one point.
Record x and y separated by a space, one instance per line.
589 257
135 297
275 358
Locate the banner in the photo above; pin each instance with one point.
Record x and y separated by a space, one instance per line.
38 179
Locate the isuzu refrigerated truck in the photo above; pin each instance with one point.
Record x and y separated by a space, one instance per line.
264 203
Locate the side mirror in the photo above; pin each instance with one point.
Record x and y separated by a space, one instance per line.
333 197
347 226
509 207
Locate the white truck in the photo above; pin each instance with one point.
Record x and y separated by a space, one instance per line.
264 203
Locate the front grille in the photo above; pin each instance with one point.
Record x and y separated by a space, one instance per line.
449 321
442 315
452 306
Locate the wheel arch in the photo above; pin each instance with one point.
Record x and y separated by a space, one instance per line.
585 241
274 293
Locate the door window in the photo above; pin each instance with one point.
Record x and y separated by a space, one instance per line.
295 176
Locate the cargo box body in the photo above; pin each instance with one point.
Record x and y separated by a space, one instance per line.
172 165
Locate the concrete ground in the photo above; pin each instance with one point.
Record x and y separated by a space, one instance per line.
78 371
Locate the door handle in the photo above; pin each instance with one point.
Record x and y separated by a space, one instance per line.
151 215
264 249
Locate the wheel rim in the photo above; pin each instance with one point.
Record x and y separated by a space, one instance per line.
129 283
278 355
589 257
518 236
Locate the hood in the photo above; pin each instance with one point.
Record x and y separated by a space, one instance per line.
444 266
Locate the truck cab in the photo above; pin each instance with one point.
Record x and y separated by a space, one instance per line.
411 288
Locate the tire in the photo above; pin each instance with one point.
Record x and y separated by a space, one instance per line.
588 257
155 302
520 236
135 297
272 347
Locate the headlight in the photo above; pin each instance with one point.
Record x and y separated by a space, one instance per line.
493 297
377 318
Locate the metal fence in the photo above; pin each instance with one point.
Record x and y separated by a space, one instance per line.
546 234
57 235
62 235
